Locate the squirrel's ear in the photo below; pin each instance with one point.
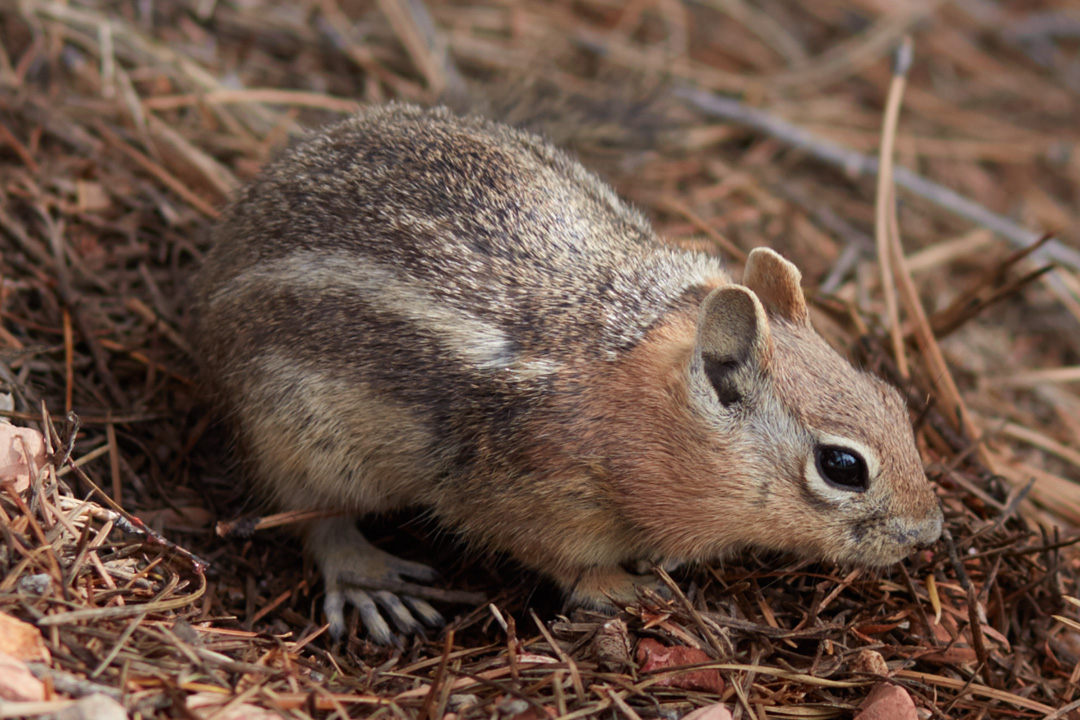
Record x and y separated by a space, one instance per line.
732 334
776 282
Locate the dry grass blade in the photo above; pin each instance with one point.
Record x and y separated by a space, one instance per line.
948 394
413 24
885 206
976 689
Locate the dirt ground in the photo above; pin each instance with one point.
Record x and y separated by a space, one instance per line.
134 564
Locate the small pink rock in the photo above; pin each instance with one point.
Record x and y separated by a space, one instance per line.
718 711
21 640
653 655
887 702
93 707
206 704
16 682
22 453
868 661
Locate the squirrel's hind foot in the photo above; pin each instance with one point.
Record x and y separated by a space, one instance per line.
357 573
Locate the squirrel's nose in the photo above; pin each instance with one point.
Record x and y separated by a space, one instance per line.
930 530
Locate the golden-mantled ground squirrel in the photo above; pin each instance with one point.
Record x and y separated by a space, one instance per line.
413 308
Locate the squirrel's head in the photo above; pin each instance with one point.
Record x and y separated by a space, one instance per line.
824 453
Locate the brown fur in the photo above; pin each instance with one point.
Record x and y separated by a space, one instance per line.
413 308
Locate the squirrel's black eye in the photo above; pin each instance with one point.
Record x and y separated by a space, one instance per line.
842 467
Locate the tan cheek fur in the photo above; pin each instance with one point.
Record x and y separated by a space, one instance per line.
683 490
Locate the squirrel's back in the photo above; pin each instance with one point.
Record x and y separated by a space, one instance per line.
461 220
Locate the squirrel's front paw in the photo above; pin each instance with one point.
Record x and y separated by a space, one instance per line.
608 588
357 572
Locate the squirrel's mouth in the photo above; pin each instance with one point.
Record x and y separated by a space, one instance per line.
928 532
887 550
903 538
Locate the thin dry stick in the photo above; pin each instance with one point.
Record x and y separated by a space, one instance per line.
1032 378
1041 441
160 174
427 709
941 376
69 359
118 645
767 29
688 606
623 705
74 310
261 96
677 206
861 50
889 246
413 24
575 675
185 157
884 205
974 689
125 611
114 463
1062 711
27 158
141 309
